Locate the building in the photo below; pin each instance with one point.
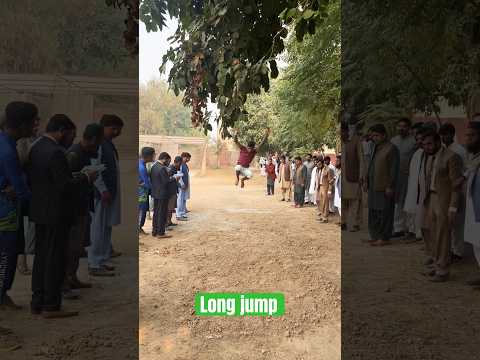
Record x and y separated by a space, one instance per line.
85 100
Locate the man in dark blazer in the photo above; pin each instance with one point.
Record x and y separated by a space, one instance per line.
107 211
79 156
52 184
160 193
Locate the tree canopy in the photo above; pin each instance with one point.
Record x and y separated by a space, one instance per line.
303 103
224 51
409 55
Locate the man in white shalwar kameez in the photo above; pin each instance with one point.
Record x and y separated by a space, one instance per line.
337 198
309 164
314 183
405 143
413 207
107 212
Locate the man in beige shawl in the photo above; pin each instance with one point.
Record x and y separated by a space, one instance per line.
284 178
325 181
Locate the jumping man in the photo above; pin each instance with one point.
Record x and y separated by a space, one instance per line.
247 154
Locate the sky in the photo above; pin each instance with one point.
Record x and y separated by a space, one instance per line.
153 46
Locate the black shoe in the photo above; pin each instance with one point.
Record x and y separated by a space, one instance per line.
437 278
398 234
101 272
429 273
76 284
35 311
428 262
108 267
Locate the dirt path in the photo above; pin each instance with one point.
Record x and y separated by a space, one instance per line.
391 311
241 241
105 329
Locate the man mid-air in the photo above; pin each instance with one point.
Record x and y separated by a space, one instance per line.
247 154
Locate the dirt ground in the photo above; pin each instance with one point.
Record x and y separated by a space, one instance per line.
391 311
241 241
105 329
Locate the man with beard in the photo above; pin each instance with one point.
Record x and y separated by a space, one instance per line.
405 143
447 133
442 178
79 156
414 198
50 209
381 184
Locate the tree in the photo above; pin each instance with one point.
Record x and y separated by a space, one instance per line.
225 51
302 105
409 54
131 22
161 112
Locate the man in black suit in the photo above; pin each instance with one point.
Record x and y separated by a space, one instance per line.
107 211
161 194
52 185
79 156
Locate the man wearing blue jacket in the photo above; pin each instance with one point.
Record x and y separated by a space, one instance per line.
144 186
18 123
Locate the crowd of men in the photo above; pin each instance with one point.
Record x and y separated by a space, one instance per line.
313 180
58 201
167 183
420 185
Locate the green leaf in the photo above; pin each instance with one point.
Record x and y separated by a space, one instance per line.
307 14
292 13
